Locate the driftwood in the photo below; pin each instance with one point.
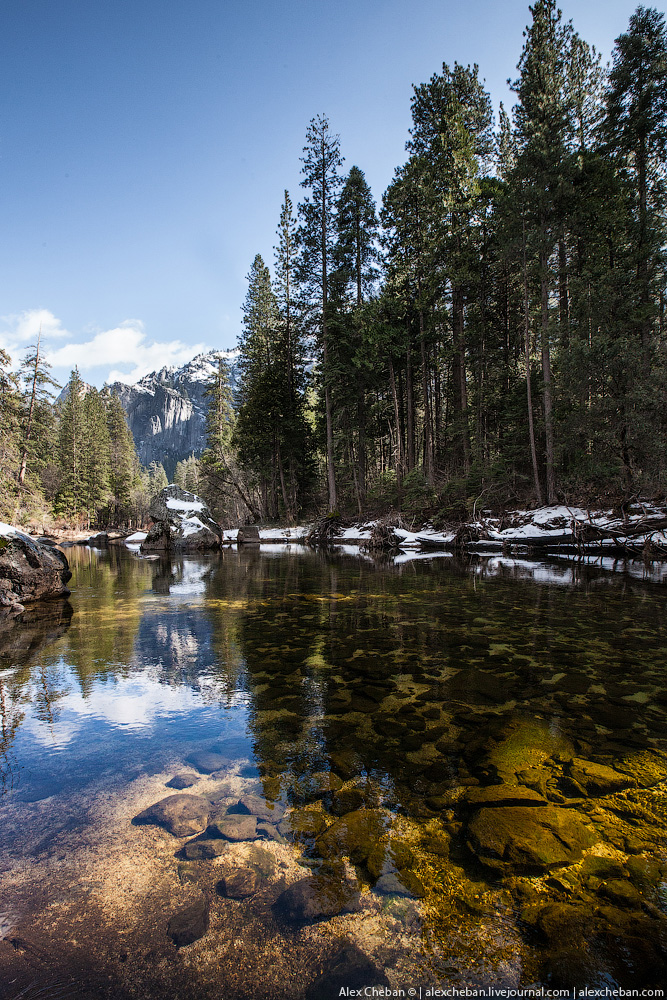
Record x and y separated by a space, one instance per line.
325 530
383 539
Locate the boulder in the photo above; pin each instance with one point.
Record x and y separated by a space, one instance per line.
355 836
182 521
205 849
317 897
190 923
598 779
183 780
349 970
240 884
29 570
528 839
235 828
248 535
181 815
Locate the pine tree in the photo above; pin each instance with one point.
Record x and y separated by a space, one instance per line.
71 433
34 373
124 463
95 455
317 236
543 130
636 132
10 403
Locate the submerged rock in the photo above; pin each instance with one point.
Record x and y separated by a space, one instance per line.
355 835
235 828
256 805
181 815
504 795
183 780
208 761
239 884
190 923
399 883
29 570
205 849
598 779
528 839
181 520
316 897
349 969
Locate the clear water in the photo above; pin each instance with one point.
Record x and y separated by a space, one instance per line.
343 688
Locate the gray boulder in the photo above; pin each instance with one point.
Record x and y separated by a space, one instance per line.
182 521
30 570
181 815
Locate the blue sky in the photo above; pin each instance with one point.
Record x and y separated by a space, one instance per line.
145 146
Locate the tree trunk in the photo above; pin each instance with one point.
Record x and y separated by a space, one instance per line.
529 391
428 457
412 458
331 475
546 375
400 461
461 390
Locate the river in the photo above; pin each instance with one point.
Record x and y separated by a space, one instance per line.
412 775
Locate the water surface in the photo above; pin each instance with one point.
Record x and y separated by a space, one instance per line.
469 757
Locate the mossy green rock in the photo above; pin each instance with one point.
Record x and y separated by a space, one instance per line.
354 836
388 856
303 824
528 839
317 897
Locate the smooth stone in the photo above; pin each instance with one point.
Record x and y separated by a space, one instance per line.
239 884
187 872
400 884
204 850
528 839
349 969
504 795
235 827
317 897
181 815
345 764
207 761
598 779
190 923
255 805
183 780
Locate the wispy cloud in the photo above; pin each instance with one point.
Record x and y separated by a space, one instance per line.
17 330
125 351
120 354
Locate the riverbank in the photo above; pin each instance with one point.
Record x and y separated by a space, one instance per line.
639 531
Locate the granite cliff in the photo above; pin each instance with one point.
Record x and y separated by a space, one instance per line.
166 409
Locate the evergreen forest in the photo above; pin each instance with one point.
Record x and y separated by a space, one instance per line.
492 332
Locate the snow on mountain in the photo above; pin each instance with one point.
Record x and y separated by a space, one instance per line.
166 409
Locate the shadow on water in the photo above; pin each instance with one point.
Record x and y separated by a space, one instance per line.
475 749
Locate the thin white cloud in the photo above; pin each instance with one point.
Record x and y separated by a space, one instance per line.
125 351
122 354
17 330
